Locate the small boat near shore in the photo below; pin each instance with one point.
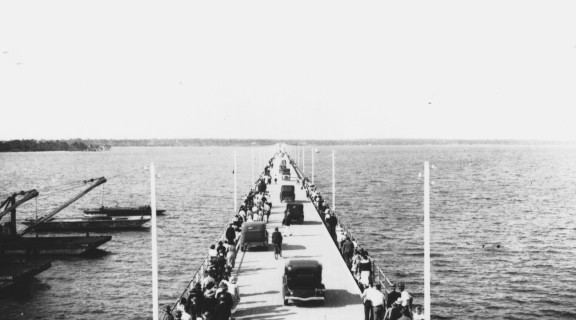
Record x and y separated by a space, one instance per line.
90 223
122 211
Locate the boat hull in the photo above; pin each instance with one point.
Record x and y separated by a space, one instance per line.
122 211
90 224
16 272
51 245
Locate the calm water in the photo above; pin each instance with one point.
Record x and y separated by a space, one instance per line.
520 197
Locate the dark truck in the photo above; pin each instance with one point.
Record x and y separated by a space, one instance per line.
296 212
302 281
287 193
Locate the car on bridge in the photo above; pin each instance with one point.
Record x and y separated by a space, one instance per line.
286 174
302 281
254 235
287 193
296 210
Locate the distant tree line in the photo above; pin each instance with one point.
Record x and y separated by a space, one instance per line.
106 144
49 145
269 142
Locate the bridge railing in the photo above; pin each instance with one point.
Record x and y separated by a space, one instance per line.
199 274
377 274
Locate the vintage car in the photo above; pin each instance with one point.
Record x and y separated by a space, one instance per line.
254 235
302 281
287 193
286 174
296 210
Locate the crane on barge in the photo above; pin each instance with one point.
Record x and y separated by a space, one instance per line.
15 242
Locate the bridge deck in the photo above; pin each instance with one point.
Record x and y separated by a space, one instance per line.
260 275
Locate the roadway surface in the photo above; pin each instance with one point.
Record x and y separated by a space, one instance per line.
260 275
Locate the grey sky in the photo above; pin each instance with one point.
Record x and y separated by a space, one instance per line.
299 69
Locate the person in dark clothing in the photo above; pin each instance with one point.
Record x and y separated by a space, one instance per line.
220 266
277 239
331 222
395 311
223 309
209 298
392 296
230 234
262 186
195 301
236 224
169 315
348 251
287 221
220 248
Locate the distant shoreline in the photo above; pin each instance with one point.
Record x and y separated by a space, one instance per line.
41 145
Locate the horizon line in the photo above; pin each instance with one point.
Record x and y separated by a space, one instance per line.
309 139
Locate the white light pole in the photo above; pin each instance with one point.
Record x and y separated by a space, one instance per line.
154 243
312 167
427 312
303 159
333 183
234 171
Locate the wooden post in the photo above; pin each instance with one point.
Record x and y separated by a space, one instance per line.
427 312
154 242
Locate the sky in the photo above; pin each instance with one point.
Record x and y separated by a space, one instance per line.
287 70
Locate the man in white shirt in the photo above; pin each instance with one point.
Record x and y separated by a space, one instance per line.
368 313
405 296
377 298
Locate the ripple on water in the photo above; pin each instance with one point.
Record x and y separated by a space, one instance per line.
518 196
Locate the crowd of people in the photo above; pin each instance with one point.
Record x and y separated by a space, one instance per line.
257 206
216 296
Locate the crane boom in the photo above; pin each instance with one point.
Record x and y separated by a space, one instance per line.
97 182
27 196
